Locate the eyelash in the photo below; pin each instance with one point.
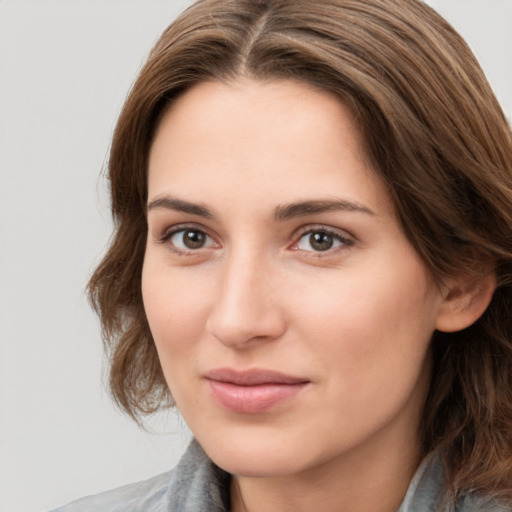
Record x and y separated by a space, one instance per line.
169 233
344 242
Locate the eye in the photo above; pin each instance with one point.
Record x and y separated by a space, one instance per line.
321 240
188 239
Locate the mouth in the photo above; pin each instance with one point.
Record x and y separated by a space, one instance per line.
252 391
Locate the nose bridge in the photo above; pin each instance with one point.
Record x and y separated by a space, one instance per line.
246 303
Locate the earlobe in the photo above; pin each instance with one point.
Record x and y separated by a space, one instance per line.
466 299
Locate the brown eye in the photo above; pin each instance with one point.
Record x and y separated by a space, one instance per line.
189 239
193 239
321 241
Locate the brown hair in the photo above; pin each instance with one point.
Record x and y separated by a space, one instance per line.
433 130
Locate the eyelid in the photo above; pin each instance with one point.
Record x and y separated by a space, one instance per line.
169 232
347 240
343 236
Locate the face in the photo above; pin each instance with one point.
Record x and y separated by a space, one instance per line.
291 315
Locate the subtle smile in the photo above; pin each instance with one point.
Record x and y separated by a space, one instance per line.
252 391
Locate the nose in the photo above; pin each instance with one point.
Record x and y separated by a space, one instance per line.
247 310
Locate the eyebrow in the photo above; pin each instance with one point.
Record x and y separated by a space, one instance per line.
304 208
169 203
280 213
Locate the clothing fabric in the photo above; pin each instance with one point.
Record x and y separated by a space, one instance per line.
198 485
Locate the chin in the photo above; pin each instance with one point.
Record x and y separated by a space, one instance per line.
255 463
263 455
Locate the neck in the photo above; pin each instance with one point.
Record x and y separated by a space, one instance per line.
375 479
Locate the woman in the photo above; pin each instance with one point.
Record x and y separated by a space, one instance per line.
312 261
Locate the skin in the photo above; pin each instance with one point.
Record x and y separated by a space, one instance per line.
354 320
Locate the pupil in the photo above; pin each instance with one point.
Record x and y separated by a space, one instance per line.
321 241
194 239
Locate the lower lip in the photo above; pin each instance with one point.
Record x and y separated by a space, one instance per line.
253 399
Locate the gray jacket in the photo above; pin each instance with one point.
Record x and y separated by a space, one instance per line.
198 485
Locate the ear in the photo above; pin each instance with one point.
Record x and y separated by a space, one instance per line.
465 300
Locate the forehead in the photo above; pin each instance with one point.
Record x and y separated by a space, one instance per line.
284 138
236 112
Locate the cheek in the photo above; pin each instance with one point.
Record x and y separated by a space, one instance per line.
176 309
372 326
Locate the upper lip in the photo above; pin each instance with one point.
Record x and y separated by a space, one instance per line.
252 377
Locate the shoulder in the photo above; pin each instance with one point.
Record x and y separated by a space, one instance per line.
196 484
135 497
478 503
427 493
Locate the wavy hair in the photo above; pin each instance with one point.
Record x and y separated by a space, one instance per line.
434 132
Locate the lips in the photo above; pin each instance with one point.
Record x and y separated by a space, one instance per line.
252 391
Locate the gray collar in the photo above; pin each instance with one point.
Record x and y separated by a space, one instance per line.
197 485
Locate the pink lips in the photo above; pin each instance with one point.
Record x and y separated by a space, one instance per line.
252 391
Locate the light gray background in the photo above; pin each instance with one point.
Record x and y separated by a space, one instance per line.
64 71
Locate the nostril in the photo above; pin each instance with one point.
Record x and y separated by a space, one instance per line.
239 327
